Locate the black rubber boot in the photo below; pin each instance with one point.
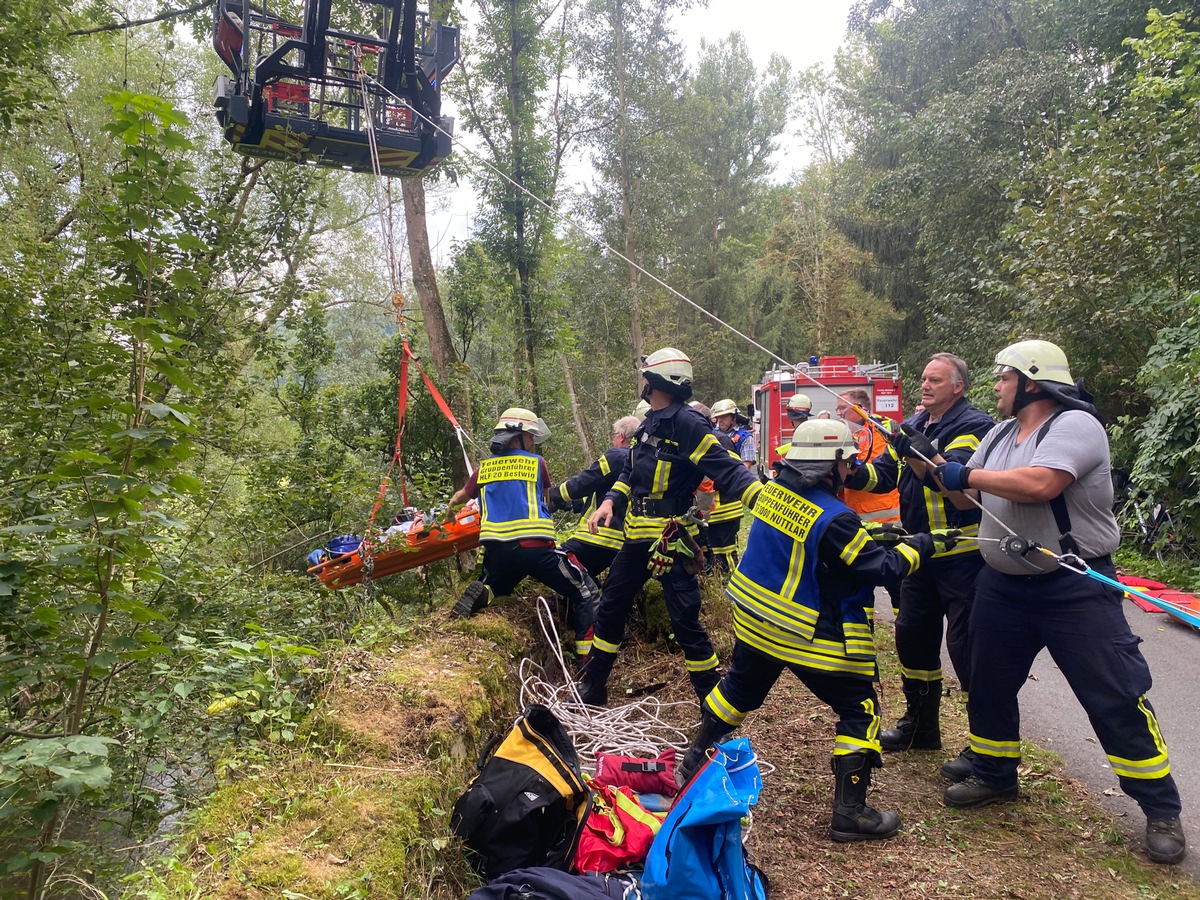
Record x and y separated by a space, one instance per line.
918 728
711 730
971 793
473 599
593 682
853 818
961 767
1165 842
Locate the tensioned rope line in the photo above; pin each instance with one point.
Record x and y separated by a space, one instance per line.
386 206
558 217
602 243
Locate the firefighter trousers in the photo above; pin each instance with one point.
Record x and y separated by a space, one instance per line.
506 564
941 588
723 537
753 673
593 557
681 591
1082 624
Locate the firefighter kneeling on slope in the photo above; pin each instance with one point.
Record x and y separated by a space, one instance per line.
516 530
802 597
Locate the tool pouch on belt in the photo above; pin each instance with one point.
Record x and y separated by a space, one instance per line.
661 556
673 541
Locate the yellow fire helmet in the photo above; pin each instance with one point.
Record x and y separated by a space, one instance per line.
517 420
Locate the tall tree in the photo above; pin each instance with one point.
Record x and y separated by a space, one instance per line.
635 67
515 99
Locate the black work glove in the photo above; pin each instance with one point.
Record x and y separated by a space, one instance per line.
885 532
944 539
910 442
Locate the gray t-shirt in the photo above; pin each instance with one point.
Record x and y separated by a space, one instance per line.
1075 442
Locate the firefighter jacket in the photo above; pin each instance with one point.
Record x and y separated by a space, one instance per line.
873 507
804 590
512 501
672 452
922 507
591 485
726 510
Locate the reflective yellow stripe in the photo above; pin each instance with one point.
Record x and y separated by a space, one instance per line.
723 709
821 655
1157 766
605 537
1003 749
921 674
604 646
604 466
583 648
703 447
662 474
963 442
750 494
845 745
630 807
872 477
621 488
703 665
910 554
850 552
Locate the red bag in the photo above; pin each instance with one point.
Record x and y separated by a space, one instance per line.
645 776
618 831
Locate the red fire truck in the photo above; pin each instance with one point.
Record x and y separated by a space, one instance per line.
881 381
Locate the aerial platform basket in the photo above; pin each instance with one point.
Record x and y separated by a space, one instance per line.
411 550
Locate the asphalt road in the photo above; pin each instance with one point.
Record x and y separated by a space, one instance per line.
1052 718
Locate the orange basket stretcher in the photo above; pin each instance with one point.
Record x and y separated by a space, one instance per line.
408 550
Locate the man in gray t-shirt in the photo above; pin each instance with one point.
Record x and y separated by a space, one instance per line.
1044 474
1073 443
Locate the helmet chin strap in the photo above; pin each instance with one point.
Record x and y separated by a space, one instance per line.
1023 397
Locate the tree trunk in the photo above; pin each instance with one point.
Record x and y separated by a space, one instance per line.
637 342
585 436
451 374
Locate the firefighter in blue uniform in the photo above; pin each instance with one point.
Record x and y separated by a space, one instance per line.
1046 475
673 450
803 598
516 530
595 552
949 428
725 517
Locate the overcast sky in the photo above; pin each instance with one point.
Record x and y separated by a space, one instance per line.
804 32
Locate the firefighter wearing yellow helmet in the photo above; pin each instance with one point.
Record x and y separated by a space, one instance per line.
1055 446
517 532
672 452
802 595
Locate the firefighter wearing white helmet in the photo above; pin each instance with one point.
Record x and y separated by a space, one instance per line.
725 520
516 530
1055 447
673 451
799 408
801 598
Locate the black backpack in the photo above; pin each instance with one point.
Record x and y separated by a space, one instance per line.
528 804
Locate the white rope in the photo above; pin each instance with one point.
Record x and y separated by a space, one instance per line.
637 728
